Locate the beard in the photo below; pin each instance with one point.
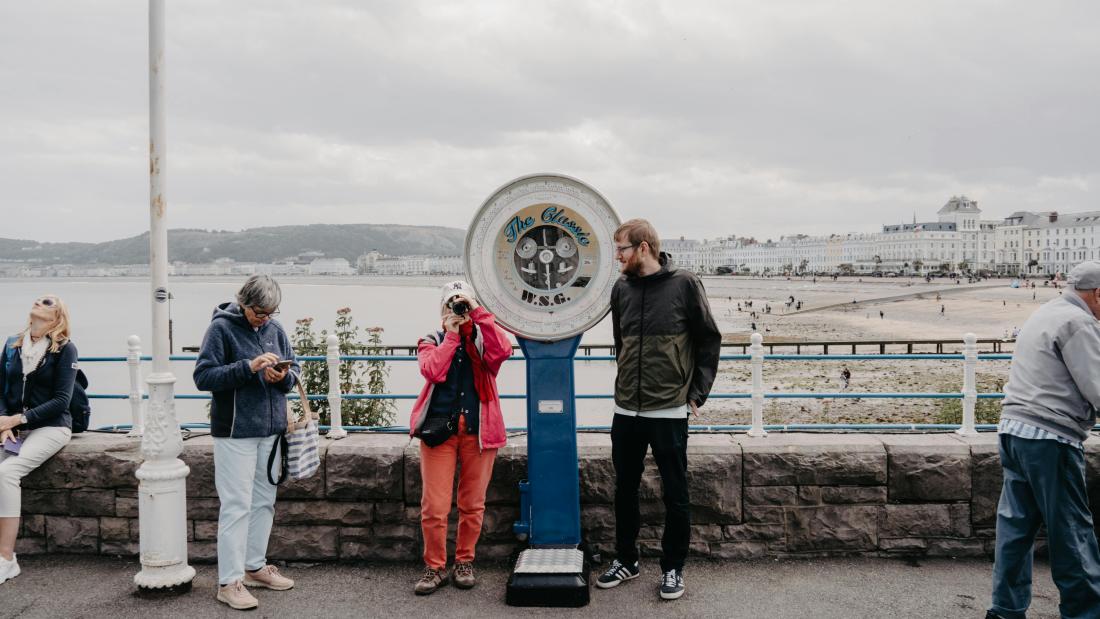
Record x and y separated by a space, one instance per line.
633 265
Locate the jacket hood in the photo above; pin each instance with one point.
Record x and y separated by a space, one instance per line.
232 312
667 268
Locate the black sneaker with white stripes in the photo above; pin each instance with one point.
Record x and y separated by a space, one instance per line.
672 584
616 574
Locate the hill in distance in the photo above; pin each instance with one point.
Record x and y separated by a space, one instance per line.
252 245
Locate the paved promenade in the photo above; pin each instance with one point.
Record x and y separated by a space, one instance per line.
75 586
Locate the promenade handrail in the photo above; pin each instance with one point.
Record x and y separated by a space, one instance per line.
968 395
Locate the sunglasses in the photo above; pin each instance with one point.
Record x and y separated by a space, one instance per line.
46 301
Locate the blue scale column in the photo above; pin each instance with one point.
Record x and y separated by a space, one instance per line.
552 443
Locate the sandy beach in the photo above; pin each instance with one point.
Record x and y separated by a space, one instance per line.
909 311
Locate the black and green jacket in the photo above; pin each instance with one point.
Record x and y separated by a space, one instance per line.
667 342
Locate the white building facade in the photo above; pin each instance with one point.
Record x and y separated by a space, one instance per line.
959 240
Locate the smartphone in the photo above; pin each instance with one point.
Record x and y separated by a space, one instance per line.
282 365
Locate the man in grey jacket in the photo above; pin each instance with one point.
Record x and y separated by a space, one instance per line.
1050 405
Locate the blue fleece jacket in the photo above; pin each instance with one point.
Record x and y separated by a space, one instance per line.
245 405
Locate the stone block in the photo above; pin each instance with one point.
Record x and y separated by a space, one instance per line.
707 533
114 529
204 552
355 534
373 551
714 484
206 530
75 535
53 502
771 495
312 543
905 545
198 455
386 533
497 525
30 546
324 512
846 528
127 548
598 522
366 466
738 551
986 480
90 460
509 468
34 525
204 509
942 547
391 512
927 467
750 532
127 507
92 503
810 495
929 520
813 460
763 515
839 495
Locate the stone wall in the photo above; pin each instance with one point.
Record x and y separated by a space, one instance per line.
783 495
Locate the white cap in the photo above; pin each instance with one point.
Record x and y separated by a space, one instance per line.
455 288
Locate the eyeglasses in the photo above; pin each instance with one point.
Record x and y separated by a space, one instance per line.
46 301
262 315
620 250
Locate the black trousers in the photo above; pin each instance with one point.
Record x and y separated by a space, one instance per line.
631 438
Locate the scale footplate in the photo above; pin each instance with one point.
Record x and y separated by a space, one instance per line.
549 577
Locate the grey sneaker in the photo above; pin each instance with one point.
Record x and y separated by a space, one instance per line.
430 581
464 576
616 574
672 584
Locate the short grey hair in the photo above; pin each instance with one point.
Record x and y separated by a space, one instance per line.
260 291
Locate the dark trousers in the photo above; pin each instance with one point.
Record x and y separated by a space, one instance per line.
631 437
1044 483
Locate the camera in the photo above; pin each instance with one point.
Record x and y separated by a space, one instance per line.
458 306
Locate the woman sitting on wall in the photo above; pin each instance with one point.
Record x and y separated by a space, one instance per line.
37 374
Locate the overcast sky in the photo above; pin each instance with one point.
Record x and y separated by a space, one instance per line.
708 118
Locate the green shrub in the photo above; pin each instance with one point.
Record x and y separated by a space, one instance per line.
985 411
356 377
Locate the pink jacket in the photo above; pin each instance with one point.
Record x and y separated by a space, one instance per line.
488 349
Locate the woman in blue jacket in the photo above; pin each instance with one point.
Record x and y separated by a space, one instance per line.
36 383
239 365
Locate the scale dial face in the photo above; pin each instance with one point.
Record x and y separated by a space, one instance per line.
540 255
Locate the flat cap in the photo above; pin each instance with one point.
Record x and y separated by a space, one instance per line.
1085 276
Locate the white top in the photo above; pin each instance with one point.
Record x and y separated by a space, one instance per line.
676 412
32 352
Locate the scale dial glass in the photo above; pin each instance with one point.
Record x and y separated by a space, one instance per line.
541 256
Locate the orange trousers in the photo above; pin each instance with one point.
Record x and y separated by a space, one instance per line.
437 470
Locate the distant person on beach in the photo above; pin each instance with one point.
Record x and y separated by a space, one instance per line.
882 314
459 423
239 363
845 378
943 309
679 349
39 366
1049 409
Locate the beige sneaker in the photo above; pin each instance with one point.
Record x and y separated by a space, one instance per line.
430 581
464 576
268 576
237 596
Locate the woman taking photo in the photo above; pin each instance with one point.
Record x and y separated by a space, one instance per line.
246 361
36 383
458 420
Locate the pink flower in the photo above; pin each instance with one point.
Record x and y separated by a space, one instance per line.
343 311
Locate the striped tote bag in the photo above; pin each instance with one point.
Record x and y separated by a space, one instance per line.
299 444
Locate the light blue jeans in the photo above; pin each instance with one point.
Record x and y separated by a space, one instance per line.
247 504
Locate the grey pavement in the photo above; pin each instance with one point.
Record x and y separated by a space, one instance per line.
82 586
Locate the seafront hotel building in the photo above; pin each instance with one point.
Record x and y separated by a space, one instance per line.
1024 242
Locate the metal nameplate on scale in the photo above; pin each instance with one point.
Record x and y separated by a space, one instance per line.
540 255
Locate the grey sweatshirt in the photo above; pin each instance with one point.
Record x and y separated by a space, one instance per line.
1054 383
